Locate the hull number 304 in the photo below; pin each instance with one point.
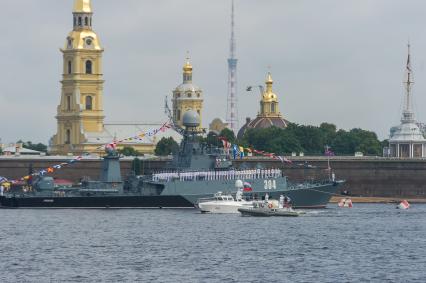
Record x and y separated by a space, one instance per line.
269 184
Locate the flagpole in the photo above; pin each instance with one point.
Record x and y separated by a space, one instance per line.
328 161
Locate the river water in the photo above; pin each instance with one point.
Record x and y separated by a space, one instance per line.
367 243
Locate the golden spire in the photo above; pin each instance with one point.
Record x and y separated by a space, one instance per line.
82 6
269 83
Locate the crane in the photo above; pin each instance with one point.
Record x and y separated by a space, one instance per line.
261 89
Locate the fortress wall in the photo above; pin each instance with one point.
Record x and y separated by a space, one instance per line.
365 176
16 168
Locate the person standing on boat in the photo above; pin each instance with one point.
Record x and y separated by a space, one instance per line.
281 203
266 197
1 190
287 201
239 194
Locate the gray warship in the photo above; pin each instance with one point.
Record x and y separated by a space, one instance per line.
196 171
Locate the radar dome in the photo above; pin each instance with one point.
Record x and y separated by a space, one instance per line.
191 119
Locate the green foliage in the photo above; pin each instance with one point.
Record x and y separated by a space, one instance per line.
228 135
128 151
311 140
213 139
29 145
136 166
273 139
166 146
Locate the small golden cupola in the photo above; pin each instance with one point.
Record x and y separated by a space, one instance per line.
269 102
187 71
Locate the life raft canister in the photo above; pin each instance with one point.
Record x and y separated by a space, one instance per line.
403 205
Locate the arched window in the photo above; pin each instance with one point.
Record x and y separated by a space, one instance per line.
68 136
79 21
89 101
69 67
90 21
273 107
75 21
86 21
178 115
68 102
88 67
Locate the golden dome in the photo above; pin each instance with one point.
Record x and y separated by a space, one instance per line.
268 95
187 68
82 6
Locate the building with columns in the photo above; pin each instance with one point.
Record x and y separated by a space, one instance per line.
80 115
269 114
186 96
407 140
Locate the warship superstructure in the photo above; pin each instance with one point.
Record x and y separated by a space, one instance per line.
196 171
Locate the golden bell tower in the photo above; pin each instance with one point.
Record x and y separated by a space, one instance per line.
81 108
186 96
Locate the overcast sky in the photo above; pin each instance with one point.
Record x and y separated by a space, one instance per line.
332 61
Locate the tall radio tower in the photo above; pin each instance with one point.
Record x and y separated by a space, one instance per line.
232 109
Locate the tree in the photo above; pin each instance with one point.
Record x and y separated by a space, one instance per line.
228 135
29 145
166 146
273 139
128 151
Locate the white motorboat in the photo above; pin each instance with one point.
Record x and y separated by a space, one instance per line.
269 208
224 203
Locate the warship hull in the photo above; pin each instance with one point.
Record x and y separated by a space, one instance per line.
313 197
95 202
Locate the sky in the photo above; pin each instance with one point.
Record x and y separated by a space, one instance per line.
332 61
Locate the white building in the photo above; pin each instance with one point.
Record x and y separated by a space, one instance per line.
407 140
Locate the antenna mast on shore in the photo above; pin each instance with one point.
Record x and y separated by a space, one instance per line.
232 108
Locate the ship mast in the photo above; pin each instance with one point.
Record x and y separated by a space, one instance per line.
407 113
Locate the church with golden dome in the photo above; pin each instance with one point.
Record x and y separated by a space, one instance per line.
80 116
186 96
269 114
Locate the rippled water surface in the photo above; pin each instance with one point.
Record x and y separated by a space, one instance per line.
370 242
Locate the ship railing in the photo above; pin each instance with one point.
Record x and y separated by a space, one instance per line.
249 174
